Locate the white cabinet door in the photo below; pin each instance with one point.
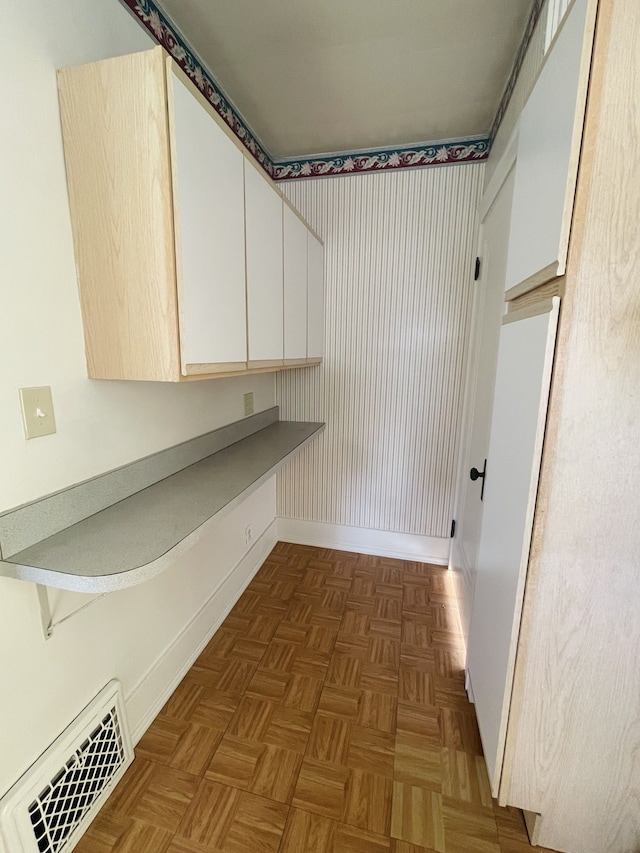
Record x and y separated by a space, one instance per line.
523 377
209 199
548 150
295 287
315 297
263 217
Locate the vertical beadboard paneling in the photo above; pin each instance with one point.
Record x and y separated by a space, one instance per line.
399 252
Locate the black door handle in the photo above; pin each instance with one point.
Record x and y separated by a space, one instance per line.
474 474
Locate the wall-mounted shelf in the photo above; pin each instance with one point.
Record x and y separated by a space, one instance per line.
141 535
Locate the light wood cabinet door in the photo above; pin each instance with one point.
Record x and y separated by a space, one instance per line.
208 186
265 274
295 288
549 141
315 297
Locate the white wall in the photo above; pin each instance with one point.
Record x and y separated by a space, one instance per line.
100 424
399 259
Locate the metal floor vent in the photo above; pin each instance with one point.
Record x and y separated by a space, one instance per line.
50 807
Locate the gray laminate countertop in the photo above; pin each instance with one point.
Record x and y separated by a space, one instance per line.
140 536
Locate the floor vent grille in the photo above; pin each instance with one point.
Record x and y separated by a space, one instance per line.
49 808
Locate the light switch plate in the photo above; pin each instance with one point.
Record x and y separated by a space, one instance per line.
248 403
37 411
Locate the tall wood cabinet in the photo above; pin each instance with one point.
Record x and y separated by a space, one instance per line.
554 644
185 266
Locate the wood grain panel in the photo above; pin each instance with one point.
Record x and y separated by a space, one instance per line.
545 291
308 833
417 817
122 214
533 282
578 673
368 801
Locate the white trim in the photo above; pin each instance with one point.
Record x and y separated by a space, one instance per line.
382 543
148 696
468 687
500 175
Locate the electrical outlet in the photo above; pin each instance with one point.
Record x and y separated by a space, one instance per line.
248 403
37 411
248 535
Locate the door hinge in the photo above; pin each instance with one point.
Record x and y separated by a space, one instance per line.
453 528
476 274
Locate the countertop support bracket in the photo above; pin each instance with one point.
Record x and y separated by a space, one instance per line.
45 610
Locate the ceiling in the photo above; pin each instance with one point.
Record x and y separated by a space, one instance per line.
322 76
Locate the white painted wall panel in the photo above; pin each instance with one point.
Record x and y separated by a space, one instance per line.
315 297
265 282
295 286
210 202
399 253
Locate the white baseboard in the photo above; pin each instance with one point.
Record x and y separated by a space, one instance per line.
468 687
382 543
152 691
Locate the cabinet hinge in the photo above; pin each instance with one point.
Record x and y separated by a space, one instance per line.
476 274
453 528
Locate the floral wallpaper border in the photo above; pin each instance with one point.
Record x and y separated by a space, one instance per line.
404 157
441 153
166 34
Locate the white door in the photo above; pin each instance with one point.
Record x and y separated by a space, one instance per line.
483 352
208 186
523 378
263 216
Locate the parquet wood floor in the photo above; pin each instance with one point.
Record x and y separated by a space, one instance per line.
327 715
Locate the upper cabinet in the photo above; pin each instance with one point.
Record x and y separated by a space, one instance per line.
208 204
315 298
549 141
265 282
303 306
295 295
180 246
